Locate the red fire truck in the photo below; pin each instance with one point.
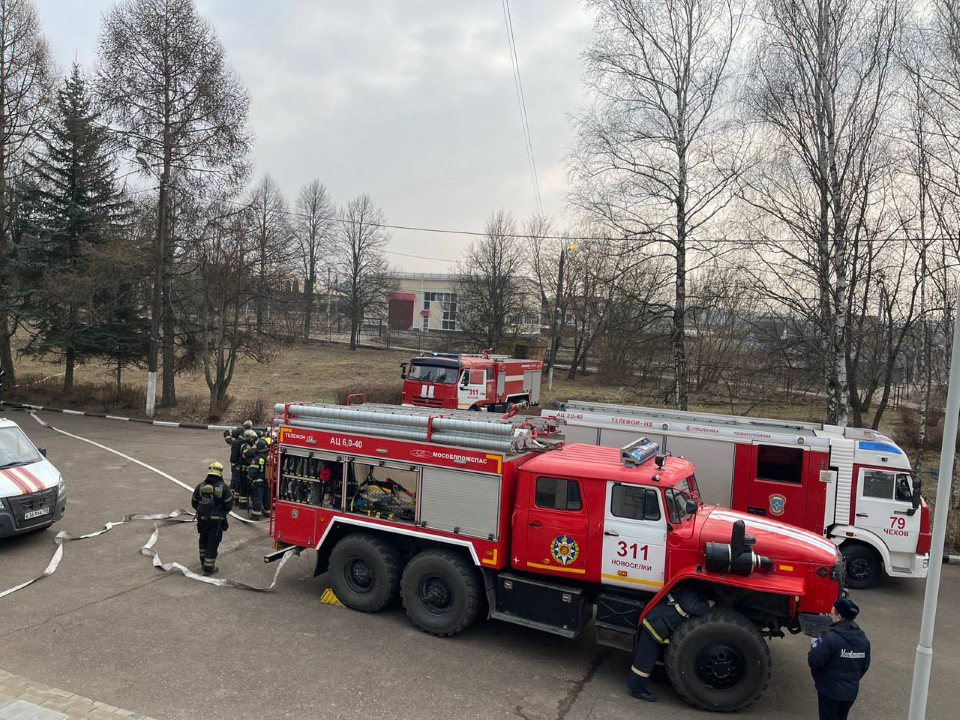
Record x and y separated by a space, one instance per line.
852 485
470 382
459 514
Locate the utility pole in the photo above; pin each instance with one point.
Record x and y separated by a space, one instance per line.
555 323
329 307
924 658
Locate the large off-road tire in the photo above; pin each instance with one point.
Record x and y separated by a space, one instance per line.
441 592
864 566
365 572
718 661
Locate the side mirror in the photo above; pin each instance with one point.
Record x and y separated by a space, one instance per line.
916 496
403 371
691 507
42 451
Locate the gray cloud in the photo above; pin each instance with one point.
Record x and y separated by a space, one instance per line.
411 101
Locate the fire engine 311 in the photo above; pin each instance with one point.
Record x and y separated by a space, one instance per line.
459 514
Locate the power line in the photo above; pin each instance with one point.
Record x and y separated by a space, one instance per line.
521 102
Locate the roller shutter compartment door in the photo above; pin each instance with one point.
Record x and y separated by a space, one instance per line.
713 466
465 502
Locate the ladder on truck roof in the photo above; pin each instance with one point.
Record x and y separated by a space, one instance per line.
482 431
732 421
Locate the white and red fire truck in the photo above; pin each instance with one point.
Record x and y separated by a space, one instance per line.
459 514
851 485
470 382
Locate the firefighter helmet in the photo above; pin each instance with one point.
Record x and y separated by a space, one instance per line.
248 425
262 444
215 468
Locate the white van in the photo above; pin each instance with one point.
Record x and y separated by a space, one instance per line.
32 494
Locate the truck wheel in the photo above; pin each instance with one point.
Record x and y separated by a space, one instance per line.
864 566
364 572
441 592
718 661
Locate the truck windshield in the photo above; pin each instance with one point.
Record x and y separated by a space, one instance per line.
16 448
689 486
434 373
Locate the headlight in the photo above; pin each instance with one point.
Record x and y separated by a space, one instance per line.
61 488
2 506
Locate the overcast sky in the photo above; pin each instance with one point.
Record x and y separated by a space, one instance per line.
412 101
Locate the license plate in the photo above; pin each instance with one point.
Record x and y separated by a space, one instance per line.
31 514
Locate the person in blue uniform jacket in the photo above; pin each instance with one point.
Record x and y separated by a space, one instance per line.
838 660
659 624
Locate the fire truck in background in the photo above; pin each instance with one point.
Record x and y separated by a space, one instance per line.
460 514
470 382
851 485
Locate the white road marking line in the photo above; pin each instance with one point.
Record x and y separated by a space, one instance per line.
161 473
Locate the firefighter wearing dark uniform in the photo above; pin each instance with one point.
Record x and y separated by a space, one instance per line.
838 659
234 438
657 627
256 456
213 501
244 458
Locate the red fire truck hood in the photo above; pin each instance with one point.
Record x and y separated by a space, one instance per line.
775 539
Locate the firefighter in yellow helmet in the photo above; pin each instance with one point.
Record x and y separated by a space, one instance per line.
213 502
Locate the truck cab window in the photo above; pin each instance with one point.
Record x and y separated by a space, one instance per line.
780 464
635 503
878 484
557 494
904 488
676 503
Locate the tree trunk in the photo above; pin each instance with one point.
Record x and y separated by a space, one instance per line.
119 377
677 333
6 352
70 361
168 397
308 306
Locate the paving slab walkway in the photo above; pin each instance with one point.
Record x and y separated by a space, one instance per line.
23 699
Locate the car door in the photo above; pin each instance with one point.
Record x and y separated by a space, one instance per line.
557 527
634 537
885 508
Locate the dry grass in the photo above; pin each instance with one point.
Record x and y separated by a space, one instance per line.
314 372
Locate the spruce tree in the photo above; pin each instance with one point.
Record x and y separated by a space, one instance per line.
70 211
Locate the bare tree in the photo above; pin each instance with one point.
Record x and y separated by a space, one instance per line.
25 84
270 228
223 271
166 86
655 158
360 262
823 83
489 290
312 228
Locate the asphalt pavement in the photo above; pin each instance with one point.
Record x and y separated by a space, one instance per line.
109 626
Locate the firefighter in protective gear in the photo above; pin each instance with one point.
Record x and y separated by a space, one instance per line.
234 439
213 501
256 456
659 624
242 491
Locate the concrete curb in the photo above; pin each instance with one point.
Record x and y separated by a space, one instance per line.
951 559
105 416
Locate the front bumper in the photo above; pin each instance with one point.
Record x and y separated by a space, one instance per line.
10 525
813 624
908 566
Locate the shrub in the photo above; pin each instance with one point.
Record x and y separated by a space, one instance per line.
387 393
907 430
257 411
